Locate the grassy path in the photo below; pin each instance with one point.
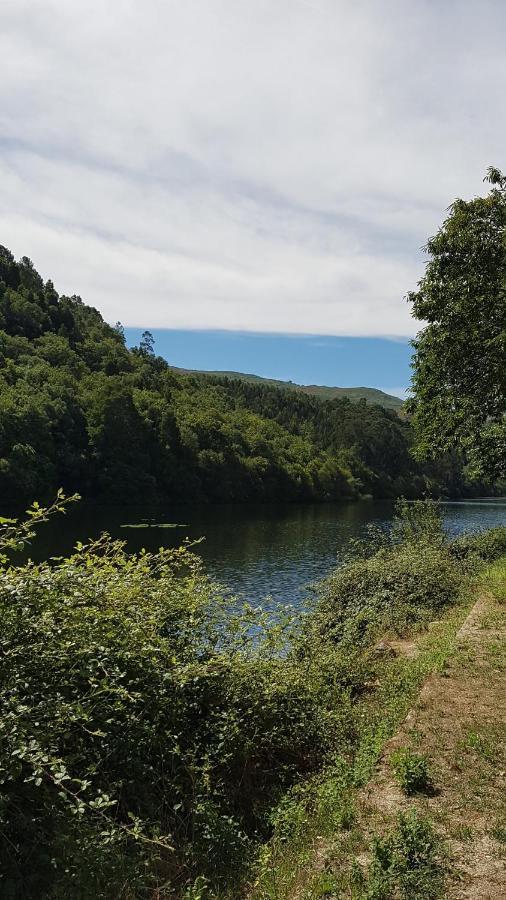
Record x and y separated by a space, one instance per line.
455 739
459 727
448 838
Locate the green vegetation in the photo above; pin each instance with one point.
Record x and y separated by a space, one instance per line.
460 376
485 545
81 411
407 863
154 738
495 580
371 395
409 579
143 732
158 739
411 770
325 844
321 817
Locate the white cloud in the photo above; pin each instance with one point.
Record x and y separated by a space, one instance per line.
258 166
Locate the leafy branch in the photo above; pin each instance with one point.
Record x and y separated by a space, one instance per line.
15 534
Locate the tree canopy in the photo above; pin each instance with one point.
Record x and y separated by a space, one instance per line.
80 410
460 356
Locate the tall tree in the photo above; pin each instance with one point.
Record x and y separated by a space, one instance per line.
147 343
459 380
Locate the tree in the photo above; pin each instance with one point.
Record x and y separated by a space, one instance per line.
459 380
146 344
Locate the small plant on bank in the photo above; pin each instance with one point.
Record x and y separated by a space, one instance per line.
498 830
408 862
411 770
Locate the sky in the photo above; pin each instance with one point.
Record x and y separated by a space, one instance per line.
257 167
305 359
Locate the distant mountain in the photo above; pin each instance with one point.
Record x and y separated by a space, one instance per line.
372 395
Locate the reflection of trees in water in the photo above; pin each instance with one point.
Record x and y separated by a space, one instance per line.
254 549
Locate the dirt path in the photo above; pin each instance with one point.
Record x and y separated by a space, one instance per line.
459 723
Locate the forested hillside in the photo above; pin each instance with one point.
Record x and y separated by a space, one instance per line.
372 395
81 411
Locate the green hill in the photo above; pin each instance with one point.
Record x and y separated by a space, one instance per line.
80 410
372 395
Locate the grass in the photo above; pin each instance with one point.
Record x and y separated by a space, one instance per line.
320 815
494 579
409 862
337 842
267 737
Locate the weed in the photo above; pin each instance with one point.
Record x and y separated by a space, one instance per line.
463 833
334 804
408 862
198 890
481 745
325 885
411 771
495 579
498 831
486 545
140 700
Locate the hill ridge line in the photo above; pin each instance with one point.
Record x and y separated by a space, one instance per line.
325 392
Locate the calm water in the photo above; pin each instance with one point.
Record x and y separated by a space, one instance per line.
267 551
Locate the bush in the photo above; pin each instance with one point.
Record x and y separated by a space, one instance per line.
408 862
411 771
394 589
486 545
146 728
416 522
407 580
149 728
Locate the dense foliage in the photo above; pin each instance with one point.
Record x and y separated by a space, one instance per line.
139 724
486 545
460 362
148 729
80 410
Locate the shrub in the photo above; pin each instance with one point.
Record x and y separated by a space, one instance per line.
149 728
486 545
146 728
407 580
408 862
416 522
395 588
411 771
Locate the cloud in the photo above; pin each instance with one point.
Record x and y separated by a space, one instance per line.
256 166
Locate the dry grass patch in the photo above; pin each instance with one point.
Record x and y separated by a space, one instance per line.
459 726
448 837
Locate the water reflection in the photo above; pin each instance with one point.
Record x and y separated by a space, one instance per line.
258 551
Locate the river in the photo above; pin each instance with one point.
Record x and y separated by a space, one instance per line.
266 553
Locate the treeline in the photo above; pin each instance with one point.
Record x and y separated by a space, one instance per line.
80 410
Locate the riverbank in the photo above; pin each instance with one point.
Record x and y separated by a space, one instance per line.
426 817
158 742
